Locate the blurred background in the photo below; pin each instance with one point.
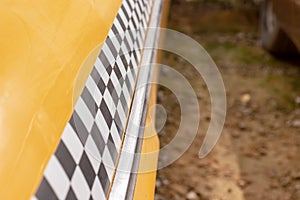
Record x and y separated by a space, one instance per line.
258 154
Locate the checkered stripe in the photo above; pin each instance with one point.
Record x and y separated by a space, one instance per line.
83 164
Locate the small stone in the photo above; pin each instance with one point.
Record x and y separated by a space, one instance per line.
263 151
228 174
158 197
245 98
296 175
158 183
207 118
274 185
297 100
297 187
242 126
242 183
296 195
208 187
166 182
178 188
273 102
297 112
192 195
295 123
285 181
262 132
235 134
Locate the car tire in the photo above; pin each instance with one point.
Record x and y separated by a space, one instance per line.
273 38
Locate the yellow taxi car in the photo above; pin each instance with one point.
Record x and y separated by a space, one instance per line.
70 115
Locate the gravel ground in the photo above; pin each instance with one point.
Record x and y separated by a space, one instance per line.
257 156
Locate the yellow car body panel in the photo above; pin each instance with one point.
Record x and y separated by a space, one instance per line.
47 50
146 178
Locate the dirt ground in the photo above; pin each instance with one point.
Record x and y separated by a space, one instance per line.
258 154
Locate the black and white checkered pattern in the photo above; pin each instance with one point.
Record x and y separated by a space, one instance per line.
85 159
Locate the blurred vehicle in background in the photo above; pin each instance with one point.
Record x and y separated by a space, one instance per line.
280 26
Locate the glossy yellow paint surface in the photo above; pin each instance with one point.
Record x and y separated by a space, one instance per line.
146 178
47 49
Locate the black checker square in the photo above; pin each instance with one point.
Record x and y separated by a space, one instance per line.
89 101
71 195
111 47
103 177
117 71
115 97
65 159
98 139
45 191
87 170
79 127
125 12
106 113
104 59
112 149
123 102
101 86
95 75
110 86
118 124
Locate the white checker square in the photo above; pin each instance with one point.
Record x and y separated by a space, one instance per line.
121 66
102 125
139 11
72 143
131 78
131 28
91 148
114 40
127 8
123 17
97 191
139 42
118 27
101 70
94 91
107 161
115 136
79 185
109 102
130 42
134 63
108 54
135 18
110 172
84 114
131 2
126 93
57 178
125 53
116 83
121 113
